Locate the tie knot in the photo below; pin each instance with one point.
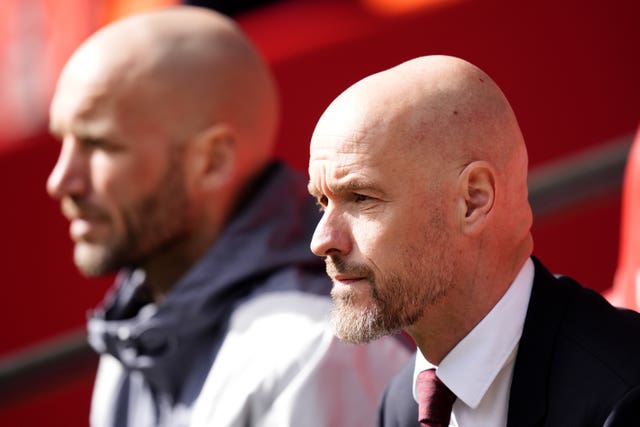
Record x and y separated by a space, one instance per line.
435 399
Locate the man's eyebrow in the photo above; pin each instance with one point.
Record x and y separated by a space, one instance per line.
352 185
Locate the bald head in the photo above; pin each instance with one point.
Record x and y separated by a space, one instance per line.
435 107
188 68
441 104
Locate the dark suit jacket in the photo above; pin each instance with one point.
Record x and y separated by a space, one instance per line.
578 363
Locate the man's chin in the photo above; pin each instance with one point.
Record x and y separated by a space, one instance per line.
352 296
94 260
355 323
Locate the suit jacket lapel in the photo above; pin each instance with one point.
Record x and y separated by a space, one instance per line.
528 396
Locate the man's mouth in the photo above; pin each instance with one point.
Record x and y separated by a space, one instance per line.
84 222
85 229
346 279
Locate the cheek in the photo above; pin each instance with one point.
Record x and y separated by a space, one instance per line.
108 178
389 241
123 178
377 241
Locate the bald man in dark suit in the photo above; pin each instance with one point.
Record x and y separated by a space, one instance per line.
421 173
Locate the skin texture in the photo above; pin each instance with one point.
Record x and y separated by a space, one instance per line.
162 127
420 171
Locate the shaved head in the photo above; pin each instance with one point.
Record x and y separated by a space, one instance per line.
421 172
189 67
437 103
436 107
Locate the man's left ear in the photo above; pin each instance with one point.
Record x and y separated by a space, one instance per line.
214 157
476 191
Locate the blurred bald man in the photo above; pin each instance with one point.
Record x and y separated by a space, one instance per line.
421 173
219 314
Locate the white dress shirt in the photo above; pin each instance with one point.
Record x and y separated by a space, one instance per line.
479 369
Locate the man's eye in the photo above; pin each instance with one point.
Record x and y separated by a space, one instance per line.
360 198
94 142
100 144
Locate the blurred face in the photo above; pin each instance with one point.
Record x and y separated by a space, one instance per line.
118 177
384 233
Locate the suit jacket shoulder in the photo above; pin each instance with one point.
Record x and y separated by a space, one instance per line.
578 356
578 363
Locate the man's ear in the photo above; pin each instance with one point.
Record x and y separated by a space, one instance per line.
477 191
213 157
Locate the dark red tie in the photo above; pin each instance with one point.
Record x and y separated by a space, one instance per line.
435 400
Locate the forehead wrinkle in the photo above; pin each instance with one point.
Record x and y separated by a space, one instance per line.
346 165
341 151
346 178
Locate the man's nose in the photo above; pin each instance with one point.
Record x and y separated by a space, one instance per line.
68 176
332 235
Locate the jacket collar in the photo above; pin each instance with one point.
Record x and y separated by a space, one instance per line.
268 233
529 389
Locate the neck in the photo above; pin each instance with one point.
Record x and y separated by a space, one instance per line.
160 279
169 263
451 318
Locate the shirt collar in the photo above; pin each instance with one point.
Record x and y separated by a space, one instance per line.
473 364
